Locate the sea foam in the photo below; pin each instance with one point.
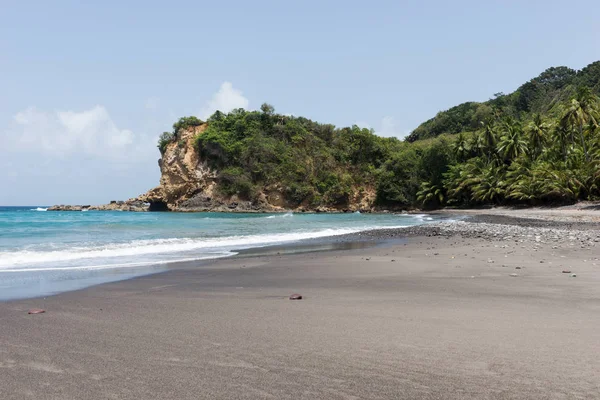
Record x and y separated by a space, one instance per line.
202 248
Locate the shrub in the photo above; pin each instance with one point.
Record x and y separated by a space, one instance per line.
185 123
164 139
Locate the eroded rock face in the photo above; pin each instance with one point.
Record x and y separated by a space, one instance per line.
187 183
183 174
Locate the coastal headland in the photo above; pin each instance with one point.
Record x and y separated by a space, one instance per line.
492 307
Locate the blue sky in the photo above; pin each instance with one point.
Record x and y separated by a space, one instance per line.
87 88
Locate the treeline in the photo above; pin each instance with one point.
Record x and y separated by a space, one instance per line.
548 156
311 164
542 160
544 94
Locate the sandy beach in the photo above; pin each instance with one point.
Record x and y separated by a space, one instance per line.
459 310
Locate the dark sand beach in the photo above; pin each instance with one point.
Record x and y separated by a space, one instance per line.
459 310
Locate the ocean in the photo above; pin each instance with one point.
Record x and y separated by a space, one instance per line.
43 253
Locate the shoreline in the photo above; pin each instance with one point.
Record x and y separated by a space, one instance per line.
459 310
93 277
477 224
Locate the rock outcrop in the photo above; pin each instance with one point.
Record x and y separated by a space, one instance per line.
188 184
129 205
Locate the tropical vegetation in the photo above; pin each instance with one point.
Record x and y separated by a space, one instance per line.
538 145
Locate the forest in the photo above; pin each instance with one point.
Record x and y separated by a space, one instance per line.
537 145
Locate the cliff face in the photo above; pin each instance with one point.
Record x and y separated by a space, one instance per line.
183 174
187 183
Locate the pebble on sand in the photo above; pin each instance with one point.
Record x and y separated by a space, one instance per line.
36 311
566 271
296 296
513 275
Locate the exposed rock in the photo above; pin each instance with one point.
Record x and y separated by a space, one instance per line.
129 205
189 184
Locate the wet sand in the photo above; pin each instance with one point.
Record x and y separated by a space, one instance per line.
437 316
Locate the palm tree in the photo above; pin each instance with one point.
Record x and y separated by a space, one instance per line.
538 135
562 133
489 139
511 143
477 146
461 147
431 193
581 111
489 187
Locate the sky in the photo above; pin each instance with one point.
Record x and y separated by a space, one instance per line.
87 87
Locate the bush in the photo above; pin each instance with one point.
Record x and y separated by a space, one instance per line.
164 139
233 181
185 123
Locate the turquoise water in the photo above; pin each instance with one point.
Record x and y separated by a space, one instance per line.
47 252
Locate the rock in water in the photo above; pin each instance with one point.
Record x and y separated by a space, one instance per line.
296 296
36 311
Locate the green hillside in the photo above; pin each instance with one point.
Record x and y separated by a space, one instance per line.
543 94
538 145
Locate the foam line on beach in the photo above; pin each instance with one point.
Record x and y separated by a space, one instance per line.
213 246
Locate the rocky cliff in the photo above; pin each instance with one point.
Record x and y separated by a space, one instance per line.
188 184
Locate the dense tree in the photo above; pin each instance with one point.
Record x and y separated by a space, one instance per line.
540 144
541 94
580 112
538 135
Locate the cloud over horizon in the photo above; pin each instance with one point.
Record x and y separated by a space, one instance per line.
94 159
387 128
60 133
227 98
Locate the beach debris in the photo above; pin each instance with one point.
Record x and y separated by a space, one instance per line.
573 275
513 275
296 296
490 261
36 311
566 271
517 267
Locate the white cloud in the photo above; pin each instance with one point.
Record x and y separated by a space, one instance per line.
389 128
61 133
225 100
152 103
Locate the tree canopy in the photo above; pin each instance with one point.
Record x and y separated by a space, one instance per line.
540 144
542 94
